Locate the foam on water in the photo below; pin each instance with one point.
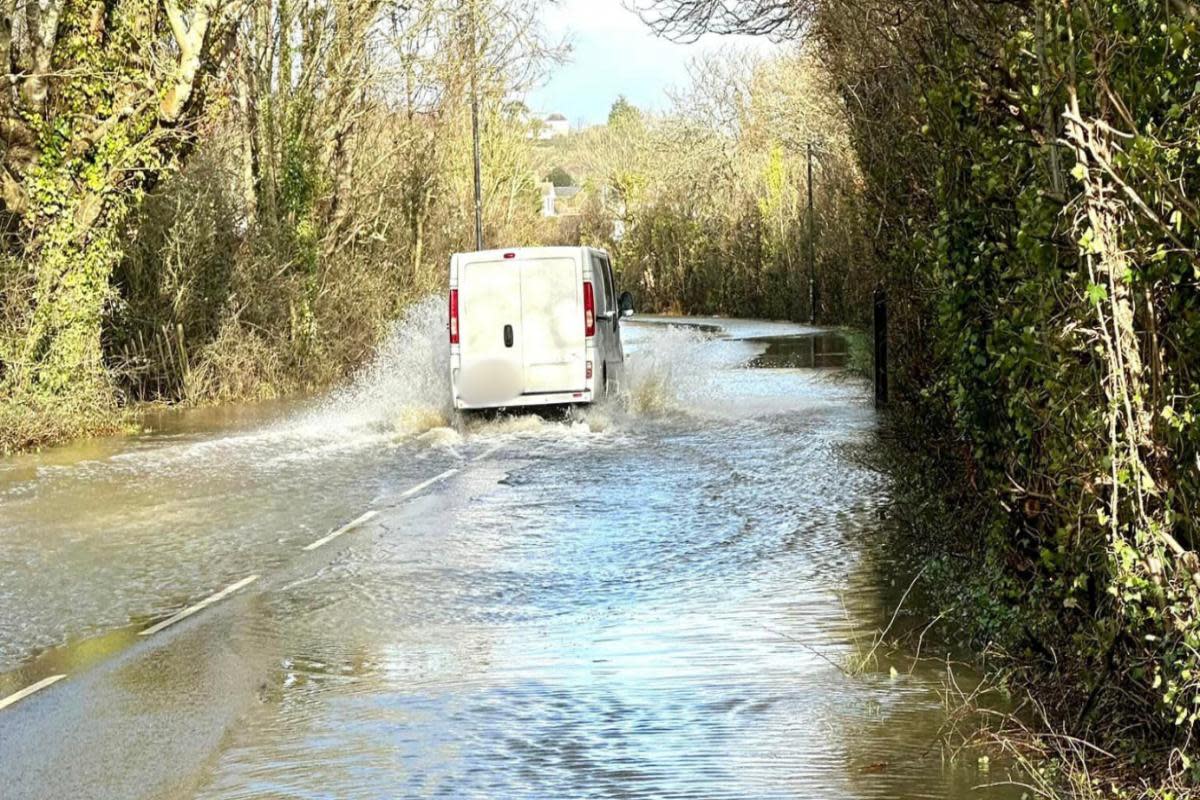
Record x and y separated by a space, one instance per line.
440 437
404 389
402 395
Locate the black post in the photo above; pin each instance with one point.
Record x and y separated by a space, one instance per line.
880 330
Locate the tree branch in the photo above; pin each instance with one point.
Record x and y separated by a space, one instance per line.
12 193
179 26
190 39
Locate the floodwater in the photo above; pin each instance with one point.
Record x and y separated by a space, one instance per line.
666 596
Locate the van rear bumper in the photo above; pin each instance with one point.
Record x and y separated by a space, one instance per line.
539 399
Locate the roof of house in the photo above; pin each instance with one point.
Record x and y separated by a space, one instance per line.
567 192
556 118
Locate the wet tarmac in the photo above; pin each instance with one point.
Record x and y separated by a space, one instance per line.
667 596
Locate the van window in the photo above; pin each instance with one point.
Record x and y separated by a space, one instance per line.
601 274
612 286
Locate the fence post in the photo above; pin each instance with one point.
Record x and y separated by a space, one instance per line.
880 331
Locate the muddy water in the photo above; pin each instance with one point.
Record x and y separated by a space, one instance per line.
662 597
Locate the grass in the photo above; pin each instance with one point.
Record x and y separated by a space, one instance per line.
860 349
27 424
933 530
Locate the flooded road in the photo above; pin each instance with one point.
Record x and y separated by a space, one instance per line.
663 597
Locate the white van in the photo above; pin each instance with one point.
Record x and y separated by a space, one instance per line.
534 326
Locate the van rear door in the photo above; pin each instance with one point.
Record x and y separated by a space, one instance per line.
552 334
489 297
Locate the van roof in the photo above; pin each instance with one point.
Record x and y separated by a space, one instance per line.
529 252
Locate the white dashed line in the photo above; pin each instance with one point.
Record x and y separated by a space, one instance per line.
354 523
426 484
203 604
486 453
351 525
17 697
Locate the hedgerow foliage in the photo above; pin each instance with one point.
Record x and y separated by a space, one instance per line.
219 199
99 100
1033 165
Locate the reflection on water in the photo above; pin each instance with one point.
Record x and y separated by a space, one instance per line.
638 601
809 350
655 612
656 608
73 656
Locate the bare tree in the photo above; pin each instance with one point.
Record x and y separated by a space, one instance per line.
688 20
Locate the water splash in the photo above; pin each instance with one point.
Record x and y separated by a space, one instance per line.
403 393
667 369
405 388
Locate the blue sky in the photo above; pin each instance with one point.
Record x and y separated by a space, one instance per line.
614 53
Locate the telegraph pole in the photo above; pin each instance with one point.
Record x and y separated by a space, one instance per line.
812 252
477 147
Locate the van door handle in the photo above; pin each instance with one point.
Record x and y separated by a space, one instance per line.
508 336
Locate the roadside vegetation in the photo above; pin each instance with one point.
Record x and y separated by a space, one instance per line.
213 200
1030 168
705 206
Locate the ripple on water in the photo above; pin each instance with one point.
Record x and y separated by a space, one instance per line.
650 598
663 613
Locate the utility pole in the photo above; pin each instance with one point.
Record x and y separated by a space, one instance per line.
812 252
476 144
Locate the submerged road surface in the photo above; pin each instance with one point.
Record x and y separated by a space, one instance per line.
658 598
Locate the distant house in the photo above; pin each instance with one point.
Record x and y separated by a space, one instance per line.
561 201
551 126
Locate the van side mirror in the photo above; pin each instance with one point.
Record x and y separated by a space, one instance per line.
625 303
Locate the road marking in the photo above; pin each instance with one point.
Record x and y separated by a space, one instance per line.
487 453
426 484
354 523
17 697
203 604
351 525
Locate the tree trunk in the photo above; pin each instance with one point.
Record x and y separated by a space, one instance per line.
62 357
91 127
249 152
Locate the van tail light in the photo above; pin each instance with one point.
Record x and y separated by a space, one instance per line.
454 316
589 309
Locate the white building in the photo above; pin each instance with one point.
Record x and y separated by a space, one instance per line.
560 201
553 126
